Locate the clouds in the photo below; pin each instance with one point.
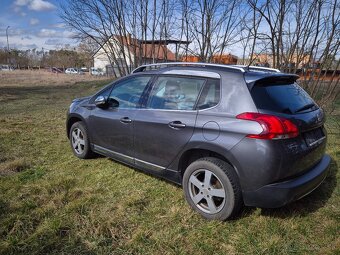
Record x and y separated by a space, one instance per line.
40 5
13 31
54 41
21 2
59 25
48 33
34 5
34 21
47 38
33 24
45 32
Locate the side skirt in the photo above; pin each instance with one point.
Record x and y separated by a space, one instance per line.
153 169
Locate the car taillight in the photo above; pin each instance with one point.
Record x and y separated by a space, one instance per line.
273 127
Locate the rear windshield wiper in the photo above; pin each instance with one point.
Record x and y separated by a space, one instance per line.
306 107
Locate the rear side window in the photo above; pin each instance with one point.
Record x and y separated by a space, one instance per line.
175 93
289 98
210 95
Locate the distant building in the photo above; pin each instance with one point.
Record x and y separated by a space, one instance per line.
128 51
266 60
227 59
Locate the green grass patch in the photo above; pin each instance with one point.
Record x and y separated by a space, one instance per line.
53 203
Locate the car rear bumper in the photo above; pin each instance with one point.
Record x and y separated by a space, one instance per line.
279 194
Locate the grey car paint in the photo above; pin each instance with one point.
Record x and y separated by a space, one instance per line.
117 136
161 132
150 143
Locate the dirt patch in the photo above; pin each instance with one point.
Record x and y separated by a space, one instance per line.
12 167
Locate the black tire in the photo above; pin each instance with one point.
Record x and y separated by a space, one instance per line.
223 178
84 151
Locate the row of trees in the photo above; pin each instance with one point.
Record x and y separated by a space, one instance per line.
285 29
291 33
62 58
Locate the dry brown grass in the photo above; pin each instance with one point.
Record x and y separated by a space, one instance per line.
13 166
22 78
59 204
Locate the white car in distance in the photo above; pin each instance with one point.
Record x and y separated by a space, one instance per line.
96 71
72 71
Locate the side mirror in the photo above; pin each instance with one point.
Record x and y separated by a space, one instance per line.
113 102
100 102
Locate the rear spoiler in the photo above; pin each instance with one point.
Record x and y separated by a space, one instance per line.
270 79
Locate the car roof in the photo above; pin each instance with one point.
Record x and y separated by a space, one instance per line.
252 74
252 78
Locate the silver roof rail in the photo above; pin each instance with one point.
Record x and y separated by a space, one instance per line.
259 68
143 67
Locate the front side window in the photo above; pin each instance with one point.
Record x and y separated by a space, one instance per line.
105 93
129 92
175 93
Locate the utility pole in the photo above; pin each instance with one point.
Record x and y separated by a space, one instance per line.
7 45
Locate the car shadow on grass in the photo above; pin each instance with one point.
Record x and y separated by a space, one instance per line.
312 202
306 205
150 174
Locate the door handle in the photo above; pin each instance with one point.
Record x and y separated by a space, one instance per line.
177 124
125 120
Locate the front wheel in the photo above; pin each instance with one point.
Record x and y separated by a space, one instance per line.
212 189
80 142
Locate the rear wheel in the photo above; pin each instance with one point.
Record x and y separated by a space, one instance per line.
79 141
211 188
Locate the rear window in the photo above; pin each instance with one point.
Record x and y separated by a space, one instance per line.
289 98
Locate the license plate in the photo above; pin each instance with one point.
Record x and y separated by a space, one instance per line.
314 136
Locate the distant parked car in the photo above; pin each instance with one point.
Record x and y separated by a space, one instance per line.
72 71
96 71
6 68
56 70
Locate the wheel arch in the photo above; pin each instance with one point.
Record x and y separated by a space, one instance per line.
194 153
73 118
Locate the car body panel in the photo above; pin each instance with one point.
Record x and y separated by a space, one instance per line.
155 141
149 144
108 130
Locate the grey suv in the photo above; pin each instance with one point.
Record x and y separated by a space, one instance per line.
230 135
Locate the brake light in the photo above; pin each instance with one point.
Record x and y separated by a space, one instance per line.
273 127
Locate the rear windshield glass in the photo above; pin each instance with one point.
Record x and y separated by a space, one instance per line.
289 98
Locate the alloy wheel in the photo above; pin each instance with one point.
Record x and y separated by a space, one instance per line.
206 191
78 141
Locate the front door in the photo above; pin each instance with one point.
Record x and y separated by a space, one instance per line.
112 127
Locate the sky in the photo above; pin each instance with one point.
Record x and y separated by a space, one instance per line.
33 24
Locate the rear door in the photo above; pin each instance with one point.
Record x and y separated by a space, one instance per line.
167 122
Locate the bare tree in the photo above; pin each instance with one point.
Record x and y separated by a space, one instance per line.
120 28
303 35
295 35
212 25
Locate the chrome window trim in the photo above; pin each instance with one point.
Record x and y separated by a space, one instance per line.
171 64
204 74
120 157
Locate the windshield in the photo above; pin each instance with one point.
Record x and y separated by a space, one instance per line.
289 98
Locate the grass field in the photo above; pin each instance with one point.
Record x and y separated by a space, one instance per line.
53 203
